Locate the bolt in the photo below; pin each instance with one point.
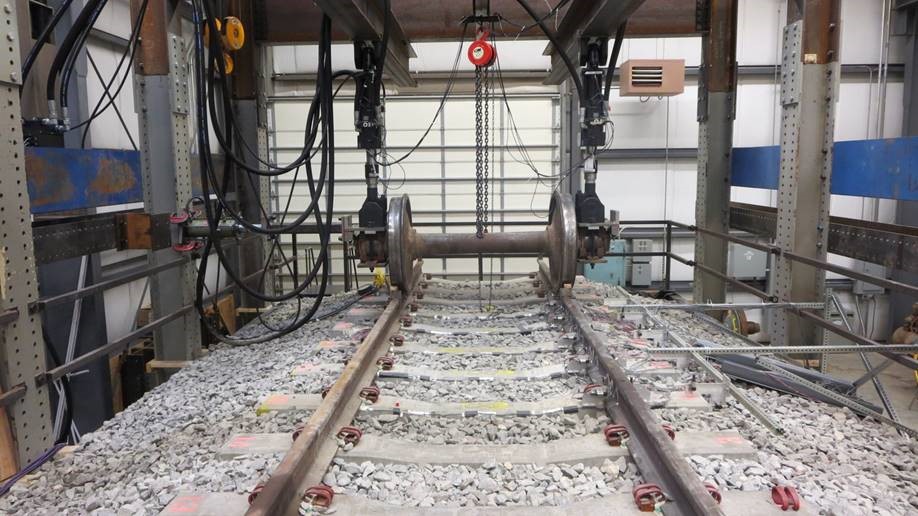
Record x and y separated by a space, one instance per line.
10 37
7 9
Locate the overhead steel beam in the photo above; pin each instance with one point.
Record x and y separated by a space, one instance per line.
281 21
586 18
365 21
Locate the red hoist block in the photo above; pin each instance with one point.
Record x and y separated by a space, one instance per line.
481 53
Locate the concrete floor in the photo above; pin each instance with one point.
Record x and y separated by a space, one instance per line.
898 380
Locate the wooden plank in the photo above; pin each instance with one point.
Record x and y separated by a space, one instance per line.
166 364
114 371
9 463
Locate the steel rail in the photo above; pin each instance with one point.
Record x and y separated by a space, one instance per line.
788 350
306 462
651 448
703 307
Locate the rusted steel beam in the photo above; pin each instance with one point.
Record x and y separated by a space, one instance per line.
281 21
719 46
585 19
305 463
365 21
152 58
821 30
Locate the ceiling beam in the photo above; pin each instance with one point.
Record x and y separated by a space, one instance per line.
364 21
586 18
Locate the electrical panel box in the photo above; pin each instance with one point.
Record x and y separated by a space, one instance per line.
641 268
862 288
611 272
652 78
745 263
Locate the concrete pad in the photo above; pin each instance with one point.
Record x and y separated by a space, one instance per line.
421 373
620 504
555 405
525 300
590 449
478 316
207 504
394 405
735 503
542 347
310 368
676 399
283 402
523 329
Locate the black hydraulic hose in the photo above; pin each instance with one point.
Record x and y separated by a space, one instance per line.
324 92
207 172
613 57
575 76
43 38
70 64
66 46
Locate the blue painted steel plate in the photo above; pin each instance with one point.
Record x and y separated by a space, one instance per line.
72 179
866 168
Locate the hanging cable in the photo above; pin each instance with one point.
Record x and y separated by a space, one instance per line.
613 58
65 48
43 38
561 52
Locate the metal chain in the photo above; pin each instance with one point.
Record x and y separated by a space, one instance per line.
486 101
479 158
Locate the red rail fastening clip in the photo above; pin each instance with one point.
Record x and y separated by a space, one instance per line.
536 283
255 492
319 496
370 393
597 389
669 430
385 363
785 497
349 435
615 434
397 340
406 321
540 292
712 489
325 391
419 294
297 431
647 496
423 284
532 275
412 307
428 276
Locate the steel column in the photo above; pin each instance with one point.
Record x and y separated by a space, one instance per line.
900 305
809 82
22 353
716 112
162 87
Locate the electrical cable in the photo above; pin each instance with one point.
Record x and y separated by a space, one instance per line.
67 45
70 63
43 38
67 420
321 119
554 42
126 56
613 58
446 92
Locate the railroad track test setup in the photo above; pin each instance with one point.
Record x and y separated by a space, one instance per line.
459 257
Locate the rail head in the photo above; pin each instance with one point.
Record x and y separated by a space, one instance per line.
312 452
652 449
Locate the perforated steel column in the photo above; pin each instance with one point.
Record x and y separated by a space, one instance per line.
162 86
809 83
716 111
22 353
